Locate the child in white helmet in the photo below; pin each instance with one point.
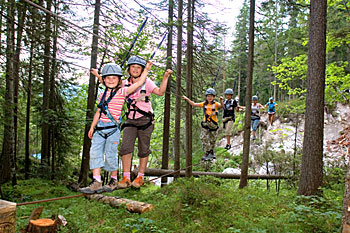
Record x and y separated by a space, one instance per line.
271 109
105 127
210 124
229 105
140 120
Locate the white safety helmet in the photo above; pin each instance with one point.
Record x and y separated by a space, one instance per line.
111 69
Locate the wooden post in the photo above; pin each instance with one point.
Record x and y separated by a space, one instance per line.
7 217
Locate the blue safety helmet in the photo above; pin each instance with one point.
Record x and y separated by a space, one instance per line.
136 60
210 91
229 91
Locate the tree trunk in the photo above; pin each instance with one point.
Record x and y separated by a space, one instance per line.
345 227
276 44
177 142
7 156
45 128
248 101
1 12
190 12
29 93
166 133
16 64
42 225
132 206
52 103
91 99
7 217
312 159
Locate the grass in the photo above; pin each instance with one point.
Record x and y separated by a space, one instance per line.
203 204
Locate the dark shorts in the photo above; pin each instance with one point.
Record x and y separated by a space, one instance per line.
131 133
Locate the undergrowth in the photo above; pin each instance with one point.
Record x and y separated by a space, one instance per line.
205 204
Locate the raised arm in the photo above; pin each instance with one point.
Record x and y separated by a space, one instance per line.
191 102
141 80
95 72
161 90
221 104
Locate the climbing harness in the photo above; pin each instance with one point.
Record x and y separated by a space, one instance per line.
209 123
154 53
217 73
133 43
103 106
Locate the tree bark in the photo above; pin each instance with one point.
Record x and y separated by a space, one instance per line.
312 160
131 206
177 142
189 80
91 99
166 133
248 101
45 128
7 156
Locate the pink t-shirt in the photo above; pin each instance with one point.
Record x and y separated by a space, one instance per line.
115 105
144 106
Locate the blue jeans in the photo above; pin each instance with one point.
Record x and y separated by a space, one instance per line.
104 151
255 123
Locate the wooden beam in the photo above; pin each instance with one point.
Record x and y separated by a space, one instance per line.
167 173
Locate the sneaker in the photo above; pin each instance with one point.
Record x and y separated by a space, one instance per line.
138 182
125 183
93 187
111 186
205 156
228 146
211 155
254 137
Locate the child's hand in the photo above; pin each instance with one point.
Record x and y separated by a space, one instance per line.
221 98
94 72
148 65
168 73
184 97
91 132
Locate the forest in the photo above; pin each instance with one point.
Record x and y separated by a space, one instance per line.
294 177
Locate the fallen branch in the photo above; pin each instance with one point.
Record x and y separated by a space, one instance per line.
131 206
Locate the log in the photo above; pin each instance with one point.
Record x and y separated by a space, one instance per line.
36 213
42 225
7 217
131 206
161 172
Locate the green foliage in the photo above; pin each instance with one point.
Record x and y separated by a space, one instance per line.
295 106
204 204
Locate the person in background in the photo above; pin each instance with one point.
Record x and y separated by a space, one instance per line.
271 110
210 123
255 117
230 106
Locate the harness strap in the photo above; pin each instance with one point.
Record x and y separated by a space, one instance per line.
208 117
107 134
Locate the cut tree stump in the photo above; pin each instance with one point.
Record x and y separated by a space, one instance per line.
42 225
131 206
7 217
